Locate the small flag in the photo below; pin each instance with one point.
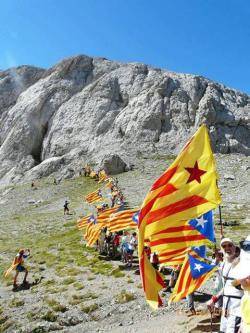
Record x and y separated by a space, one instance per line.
198 267
193 274
94 196
135 217
200 250
204 224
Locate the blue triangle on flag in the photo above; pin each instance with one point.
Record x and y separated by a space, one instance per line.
198 267
200 250
204 224
135 217
92 219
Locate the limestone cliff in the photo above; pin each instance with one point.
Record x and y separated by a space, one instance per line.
83 108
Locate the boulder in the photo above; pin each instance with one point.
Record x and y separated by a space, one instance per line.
113 164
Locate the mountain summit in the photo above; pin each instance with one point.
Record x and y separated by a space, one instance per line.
84 108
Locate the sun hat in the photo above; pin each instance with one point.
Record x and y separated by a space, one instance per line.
226 240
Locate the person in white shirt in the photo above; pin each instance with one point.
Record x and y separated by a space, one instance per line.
231 314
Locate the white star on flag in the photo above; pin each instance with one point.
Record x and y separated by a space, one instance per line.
198 267
201 221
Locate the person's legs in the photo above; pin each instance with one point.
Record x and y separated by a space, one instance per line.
25 276
15 279
190 300
233 324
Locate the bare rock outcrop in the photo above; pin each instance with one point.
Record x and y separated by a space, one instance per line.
85 108
113 164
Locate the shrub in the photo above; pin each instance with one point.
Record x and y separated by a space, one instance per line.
125 297
89 308
49 316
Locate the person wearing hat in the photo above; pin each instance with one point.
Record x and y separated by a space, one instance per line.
231 314
243 279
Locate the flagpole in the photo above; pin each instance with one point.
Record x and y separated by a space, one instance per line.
221 225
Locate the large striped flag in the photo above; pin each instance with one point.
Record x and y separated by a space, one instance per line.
94 196
122 220
186 190
194 273
93 229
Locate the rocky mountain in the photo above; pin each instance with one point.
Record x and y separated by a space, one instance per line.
85 108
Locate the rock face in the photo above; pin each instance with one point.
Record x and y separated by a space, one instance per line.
113 164
84 108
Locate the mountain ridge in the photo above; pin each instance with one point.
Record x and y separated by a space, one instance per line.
84 108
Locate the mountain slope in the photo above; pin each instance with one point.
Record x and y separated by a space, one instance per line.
84 108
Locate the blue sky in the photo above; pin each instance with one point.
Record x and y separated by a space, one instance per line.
204 37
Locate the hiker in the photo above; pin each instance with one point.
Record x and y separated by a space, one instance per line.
116 243
55 181
66 208
131 248
18 265
33 186
218 280
231 314
101 244
108 243
243 279
147 250
124 246
154 259
173 278
190 304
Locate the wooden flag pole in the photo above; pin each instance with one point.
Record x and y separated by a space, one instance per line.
221 225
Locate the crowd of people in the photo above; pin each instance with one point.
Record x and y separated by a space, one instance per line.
116 245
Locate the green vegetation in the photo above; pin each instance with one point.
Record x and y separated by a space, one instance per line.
78 285
117 273
68 281
124 297
49 316
14 303
56 306
89 308
129 280
79 298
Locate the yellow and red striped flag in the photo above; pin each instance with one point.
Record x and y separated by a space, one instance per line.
93 233
185 191
178 237
94 228
172 258
102 176
122 220
194 273
83 222
94 196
